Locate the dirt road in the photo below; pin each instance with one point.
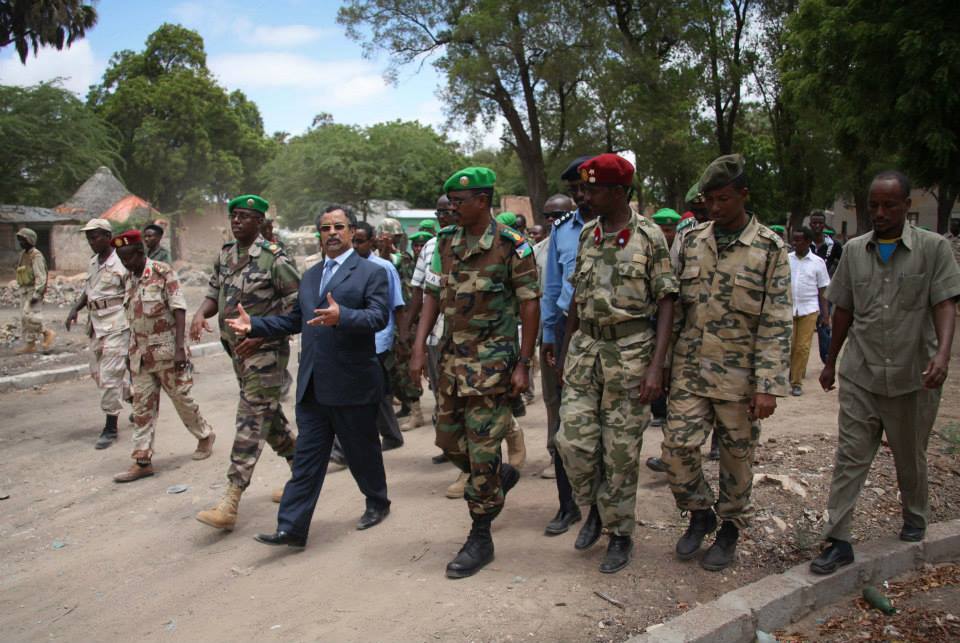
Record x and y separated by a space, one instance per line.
82 558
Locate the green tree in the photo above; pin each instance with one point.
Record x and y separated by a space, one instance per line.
28 24
184 139
886 74
52 143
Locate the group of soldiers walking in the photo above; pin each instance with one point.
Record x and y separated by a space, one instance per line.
625 319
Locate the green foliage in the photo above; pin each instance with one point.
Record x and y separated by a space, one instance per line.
184 139
52 142
28 24
349 164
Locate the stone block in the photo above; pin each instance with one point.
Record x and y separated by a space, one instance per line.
827 590
942 542
775 601
705 624
888 558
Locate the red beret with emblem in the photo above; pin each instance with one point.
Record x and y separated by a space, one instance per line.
128 238
607 169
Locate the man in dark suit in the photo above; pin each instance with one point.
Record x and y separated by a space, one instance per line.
341 304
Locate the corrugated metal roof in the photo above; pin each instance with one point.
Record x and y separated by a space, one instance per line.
32 214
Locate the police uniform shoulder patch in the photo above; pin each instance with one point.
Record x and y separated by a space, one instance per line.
563 219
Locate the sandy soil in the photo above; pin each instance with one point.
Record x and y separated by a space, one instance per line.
82 558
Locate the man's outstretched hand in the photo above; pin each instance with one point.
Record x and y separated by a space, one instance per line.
329 316
241 323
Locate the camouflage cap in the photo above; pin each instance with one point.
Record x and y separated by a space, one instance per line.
249 202
28 234
721 172
470 178
666 215
507 218
390 226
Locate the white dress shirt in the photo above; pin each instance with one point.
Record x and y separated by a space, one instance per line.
808 274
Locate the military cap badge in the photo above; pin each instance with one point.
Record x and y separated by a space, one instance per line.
464 181
250 202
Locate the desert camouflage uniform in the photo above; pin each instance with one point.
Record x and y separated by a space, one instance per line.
32 282
106 290
265 281
151 302
732 339
401 384
617 289
477 289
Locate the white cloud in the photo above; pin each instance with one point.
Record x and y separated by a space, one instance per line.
219 18
286 35
77 66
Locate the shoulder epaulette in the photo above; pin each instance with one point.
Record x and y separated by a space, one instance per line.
230 243
563 219
450 229
767 233
272 247
520 244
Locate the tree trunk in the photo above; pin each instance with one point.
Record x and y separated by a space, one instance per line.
946 197
535 176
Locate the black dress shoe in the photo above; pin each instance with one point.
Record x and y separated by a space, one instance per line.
838 554
390 443
372 516
590 532
618 554
440 459
282 538
912 534
562 521
106 438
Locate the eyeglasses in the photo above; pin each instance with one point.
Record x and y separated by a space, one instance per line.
245 216
443 212
327 227
457 201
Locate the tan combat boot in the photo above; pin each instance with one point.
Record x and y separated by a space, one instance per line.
516 449
204 447
29 347
224 515
456 489
414 420
48 337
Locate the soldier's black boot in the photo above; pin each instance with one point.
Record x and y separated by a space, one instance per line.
723 550
702 522
476 552
618 554
590 532
109 434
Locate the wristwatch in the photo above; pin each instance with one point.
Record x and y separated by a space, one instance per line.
526 361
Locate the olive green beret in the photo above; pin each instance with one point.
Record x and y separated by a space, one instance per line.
249 202
721 172
390 226
470 178
429 225
421 236
507 218
693 194
778 228
28 234
666 215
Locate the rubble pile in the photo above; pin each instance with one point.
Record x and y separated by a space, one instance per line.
62 291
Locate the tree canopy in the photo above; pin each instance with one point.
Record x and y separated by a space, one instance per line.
28 24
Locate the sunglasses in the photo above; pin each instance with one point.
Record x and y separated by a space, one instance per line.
327 227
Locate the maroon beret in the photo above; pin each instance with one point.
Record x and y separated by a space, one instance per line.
128 238
607 169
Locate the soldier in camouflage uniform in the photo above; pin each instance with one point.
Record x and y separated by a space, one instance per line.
32 282
614 356
256 273
152 235
479 272
730 358
159 358
390 237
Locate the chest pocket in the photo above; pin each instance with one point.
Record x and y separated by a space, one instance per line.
488 303
690 283
747 296
152 299
632 290
913 288
582 279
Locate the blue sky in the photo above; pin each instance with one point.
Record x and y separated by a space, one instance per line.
289 56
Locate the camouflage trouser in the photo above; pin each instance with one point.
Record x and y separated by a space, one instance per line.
690 419
259 414
402 385
31 323
110 370
469 430
146 406
602 430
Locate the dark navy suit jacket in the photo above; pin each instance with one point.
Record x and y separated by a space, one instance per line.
341 360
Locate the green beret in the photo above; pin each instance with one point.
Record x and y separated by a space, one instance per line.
507 219
721 172
666 215
249 202
429 225
421 237
28 234
390 225
778 228
693 194
470 178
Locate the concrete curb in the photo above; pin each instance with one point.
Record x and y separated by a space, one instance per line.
776 601
39 378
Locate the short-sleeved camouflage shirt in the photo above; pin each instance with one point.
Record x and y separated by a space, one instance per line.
732 327
260 277
478 288
151 301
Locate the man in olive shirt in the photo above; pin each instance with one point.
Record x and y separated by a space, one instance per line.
893 295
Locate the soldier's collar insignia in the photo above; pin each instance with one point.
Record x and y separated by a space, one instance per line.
597 235
623 237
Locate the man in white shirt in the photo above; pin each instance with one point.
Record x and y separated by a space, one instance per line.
808 281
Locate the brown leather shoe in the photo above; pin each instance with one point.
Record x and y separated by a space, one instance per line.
135 472
204 447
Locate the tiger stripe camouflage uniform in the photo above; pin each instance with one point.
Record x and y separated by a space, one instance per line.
265 281
617 289
151 302
732 339
478 288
